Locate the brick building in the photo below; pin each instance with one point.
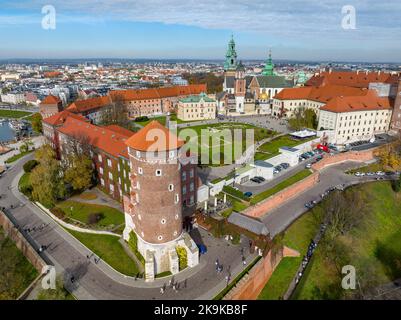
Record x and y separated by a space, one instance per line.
153 209
92 108
50 106
155 101
109 153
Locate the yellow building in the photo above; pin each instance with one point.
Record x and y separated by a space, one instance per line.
199 107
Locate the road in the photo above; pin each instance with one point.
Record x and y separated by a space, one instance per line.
280 218
99 281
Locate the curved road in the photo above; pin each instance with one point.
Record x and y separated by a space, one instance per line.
99 281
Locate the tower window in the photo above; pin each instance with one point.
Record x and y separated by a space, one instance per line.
160 238
140 170
177 198
170 187
163 221
158 173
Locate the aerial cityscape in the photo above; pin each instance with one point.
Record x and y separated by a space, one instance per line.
154 154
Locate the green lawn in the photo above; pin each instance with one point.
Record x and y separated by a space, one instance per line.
80 211
17 156
297 237
374 167
161 119
109 249
282 185
273 146
209 140
373 247
15 114
16 272
24 184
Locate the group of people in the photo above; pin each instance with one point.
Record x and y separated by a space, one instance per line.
173 285
311 248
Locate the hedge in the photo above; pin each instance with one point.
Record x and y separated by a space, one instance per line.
182 257
236 193
133 244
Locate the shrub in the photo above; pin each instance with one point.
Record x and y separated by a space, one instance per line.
235 193
396 185
94 218
182 257
30 165
133 244
58 213
141 119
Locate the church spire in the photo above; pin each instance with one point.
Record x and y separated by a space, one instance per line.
269 66
230 63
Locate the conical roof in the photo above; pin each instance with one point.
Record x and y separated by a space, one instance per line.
154 137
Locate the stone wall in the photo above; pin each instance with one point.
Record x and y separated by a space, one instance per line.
294 190
250 286
282 196
359 156
22 244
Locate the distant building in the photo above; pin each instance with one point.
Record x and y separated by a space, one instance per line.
13 98
155 101
237 83
355 118
93 108
9 76
50 106
291 99
199 107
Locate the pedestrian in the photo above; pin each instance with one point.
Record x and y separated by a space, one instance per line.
174 288
161 290
243 260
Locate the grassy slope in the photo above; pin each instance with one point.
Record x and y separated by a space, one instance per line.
109 249
297 237
81 212
18 269
13 114
375 245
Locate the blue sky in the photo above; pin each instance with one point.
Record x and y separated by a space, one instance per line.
293 29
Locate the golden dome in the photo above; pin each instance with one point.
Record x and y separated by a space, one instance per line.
264 96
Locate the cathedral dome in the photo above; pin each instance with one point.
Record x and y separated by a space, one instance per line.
264 96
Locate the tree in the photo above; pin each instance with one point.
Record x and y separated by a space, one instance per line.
36 121
30 165
390 156
303 118
214 83
79 172
396 185
46 178
26 146
116 113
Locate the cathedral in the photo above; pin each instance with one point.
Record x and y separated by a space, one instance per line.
250 94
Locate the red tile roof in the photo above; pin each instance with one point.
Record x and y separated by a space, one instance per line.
60 117
89 104
358 103
320 94
158 93
120 130
109 141
50 99
356 79
154 137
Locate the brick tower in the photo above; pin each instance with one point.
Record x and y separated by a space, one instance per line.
396 118
240 87
154 208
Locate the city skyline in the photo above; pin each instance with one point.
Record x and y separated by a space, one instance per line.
173 30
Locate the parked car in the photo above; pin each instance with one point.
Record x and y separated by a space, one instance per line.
255 180
248 194
380 173
323 148
308 166
310 153
260 178
285 165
